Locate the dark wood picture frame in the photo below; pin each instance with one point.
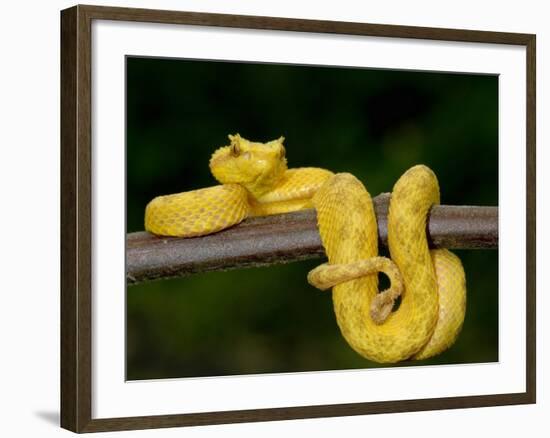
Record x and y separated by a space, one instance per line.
76 239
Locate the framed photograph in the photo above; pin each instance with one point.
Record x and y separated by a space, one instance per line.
216 172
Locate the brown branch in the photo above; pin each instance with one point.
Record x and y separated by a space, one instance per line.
289 237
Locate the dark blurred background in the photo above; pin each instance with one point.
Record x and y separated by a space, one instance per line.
372 123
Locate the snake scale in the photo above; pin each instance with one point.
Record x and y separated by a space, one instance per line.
255 181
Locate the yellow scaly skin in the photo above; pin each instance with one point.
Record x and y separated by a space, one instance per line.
433 302
255 181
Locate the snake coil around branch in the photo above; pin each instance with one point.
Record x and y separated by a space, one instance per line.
255 181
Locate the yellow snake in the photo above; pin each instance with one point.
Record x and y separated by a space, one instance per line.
255 181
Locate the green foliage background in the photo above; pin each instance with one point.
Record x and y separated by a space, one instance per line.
372 123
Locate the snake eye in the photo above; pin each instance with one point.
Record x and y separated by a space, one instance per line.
282 152
235 149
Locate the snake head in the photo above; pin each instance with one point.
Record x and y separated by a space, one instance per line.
256 166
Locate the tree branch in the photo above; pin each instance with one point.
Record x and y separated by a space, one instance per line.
285 238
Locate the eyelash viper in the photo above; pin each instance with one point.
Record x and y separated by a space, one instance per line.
255 181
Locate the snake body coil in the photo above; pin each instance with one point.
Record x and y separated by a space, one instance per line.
255 181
